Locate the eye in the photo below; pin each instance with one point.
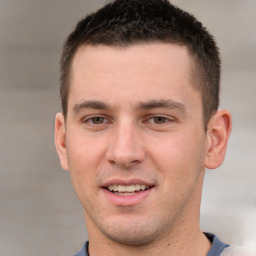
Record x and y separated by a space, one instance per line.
158 120
97 120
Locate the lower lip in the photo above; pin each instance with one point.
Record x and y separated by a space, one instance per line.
130 200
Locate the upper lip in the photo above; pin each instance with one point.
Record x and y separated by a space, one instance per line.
126 182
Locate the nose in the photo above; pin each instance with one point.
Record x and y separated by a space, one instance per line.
125 148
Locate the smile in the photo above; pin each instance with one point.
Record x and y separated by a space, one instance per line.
127 190
130 194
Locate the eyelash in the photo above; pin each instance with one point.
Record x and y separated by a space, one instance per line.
90 119
163 118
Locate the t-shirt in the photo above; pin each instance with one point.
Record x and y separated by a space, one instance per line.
217 246
216 249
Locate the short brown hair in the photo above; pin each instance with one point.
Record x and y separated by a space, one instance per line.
126 22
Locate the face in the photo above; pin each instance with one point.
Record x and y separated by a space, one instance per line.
134 140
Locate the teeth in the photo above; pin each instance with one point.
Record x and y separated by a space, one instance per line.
127 189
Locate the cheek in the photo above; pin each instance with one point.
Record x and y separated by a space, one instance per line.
84 151
85 157
178 156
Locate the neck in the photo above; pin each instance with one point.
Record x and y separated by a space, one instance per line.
195 244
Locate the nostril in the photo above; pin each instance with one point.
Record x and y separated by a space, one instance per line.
125 165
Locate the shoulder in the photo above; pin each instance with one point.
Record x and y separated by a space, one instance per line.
217 247
239 251
83 251
222 249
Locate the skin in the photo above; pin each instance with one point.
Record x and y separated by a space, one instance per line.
134 117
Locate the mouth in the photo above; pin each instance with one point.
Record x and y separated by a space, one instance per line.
129 190
127 193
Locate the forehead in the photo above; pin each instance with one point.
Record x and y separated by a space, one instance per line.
138 72
143 55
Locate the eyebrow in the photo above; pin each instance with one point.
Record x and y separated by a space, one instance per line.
152 104
90 105
169 104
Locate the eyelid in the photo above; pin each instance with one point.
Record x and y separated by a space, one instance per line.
89 118
167 118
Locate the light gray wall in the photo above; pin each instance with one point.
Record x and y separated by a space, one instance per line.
229 196
39 213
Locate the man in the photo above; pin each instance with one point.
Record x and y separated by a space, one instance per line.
140 124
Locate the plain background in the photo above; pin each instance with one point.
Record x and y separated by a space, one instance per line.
39 213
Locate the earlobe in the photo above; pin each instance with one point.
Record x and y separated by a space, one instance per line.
219 129
60 140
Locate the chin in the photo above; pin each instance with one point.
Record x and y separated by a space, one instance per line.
131 238
135 234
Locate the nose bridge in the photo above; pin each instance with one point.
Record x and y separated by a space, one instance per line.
125 145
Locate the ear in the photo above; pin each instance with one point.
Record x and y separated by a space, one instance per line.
60 140
219 129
